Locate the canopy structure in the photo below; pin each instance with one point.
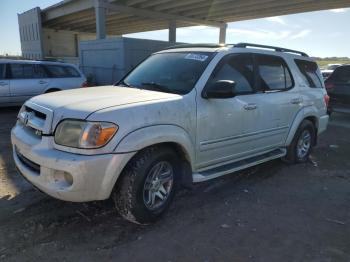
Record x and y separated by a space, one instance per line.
118 17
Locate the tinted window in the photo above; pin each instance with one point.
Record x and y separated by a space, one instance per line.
27 71
2 71
341 74
57 71
169 72
273 73
309 73
237 68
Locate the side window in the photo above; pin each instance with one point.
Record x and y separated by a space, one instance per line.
72 72
2 71
238 68
308 71
341 74
57 71
273 73
27 71
39 72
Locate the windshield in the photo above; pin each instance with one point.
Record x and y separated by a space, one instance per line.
169 72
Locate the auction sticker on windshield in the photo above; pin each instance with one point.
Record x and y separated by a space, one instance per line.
197 57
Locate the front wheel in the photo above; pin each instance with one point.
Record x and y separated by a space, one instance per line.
302 144
147 185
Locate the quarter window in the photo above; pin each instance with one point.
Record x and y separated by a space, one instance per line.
237 68
273 73
57 71
309 73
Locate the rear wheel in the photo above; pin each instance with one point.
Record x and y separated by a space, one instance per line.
302 144
147 185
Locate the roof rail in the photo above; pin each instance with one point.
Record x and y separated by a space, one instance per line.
195 45
278 49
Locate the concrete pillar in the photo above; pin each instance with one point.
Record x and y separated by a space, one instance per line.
100 14
172 31
222 36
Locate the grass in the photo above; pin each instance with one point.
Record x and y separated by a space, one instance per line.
324 62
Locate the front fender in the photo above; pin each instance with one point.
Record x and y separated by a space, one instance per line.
151 135
305 112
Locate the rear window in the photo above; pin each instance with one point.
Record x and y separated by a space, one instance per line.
341 74
309 73
27 71
57 71
273 73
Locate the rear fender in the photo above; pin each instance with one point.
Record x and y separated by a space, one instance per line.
305 112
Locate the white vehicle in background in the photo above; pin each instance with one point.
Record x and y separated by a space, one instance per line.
186 114
23 79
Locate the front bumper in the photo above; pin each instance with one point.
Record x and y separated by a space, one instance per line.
63 175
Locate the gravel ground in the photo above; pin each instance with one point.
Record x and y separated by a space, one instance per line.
274 212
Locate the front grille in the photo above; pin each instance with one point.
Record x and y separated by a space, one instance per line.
28 163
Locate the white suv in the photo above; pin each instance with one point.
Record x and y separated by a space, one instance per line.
22 79
186 114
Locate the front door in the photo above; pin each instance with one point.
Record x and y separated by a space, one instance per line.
4 85
27 80
220 122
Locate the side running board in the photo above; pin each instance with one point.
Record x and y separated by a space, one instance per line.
239 165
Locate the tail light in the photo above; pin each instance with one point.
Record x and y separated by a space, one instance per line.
326 99
85 84
329 86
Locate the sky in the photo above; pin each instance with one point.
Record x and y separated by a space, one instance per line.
321 34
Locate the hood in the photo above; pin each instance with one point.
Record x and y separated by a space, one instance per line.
80 103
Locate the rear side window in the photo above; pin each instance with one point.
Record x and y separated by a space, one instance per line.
309 73
27 71
57 71
274 73
2 71
341 75
238 68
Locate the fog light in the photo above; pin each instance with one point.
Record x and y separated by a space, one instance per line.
62 179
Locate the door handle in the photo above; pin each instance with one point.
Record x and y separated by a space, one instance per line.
296 101
250 107
3 84
42 82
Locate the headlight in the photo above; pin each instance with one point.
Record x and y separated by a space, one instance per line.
84 134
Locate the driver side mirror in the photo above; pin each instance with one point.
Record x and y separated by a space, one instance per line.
220 89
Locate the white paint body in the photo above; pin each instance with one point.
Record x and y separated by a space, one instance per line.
211 132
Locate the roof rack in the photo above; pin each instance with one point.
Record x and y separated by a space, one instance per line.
278 49
196 45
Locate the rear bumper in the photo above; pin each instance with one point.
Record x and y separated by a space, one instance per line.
62 175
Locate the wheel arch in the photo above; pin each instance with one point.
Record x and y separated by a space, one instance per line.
308 113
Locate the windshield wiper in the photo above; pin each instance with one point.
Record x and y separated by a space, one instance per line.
158 87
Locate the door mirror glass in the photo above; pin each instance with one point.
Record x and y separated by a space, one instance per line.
220 89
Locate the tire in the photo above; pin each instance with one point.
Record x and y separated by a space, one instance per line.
299 152
136 189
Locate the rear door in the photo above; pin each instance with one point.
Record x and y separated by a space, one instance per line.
270 112
338 87
4 85
27 80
